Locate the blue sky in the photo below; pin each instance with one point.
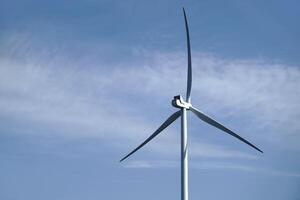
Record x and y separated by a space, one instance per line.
84 82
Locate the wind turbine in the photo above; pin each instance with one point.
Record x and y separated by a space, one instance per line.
184 106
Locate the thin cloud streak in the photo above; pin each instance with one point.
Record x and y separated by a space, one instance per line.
208 165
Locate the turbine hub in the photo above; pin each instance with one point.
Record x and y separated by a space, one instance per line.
178 102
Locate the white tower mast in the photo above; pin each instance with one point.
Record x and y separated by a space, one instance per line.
184 157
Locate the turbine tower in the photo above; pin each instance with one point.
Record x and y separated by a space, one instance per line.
184 106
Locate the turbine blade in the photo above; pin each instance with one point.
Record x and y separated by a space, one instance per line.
169 121
189 73
214 123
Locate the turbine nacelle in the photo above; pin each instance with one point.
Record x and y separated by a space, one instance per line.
178 102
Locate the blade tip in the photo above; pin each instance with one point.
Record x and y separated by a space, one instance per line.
183 10
261 151
122 159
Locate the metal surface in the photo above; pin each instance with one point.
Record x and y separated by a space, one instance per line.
184 156
178 102
189 74
216 124
169 121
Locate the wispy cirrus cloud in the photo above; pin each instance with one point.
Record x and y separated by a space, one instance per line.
105 100
209 165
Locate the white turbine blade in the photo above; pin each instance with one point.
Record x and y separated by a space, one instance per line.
189 74
214 123
169 121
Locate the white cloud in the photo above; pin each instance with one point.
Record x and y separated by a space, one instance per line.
106 101
138 164
205 150
209 165
239 167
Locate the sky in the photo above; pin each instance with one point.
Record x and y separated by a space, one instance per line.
82 83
